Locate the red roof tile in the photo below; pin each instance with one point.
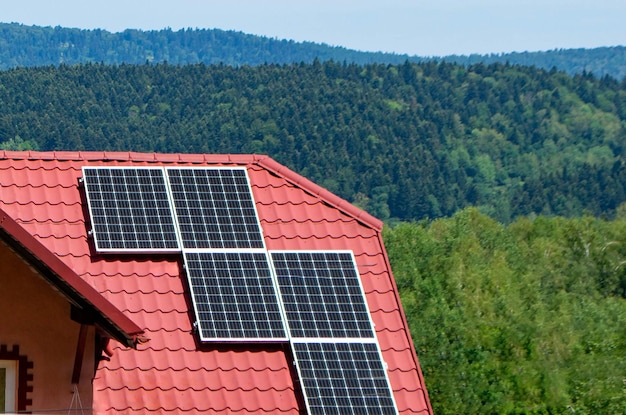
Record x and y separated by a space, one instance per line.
40 193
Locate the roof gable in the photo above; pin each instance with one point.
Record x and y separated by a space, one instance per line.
41 193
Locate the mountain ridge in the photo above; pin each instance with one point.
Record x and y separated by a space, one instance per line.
23 45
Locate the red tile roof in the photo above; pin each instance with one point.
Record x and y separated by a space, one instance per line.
172 372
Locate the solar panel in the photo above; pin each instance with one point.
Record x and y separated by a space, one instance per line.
322 295
130 209
234 296
343 378
214 208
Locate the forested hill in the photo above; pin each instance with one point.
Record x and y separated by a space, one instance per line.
409 141
22 45
598 61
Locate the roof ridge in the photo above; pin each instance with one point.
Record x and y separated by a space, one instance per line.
129 156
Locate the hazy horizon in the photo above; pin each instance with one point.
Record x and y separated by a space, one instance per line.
416 28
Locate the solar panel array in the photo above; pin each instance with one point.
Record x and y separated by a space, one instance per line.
130 209
239 290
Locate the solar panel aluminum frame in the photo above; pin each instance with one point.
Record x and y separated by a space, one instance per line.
363 297
93 231
196 307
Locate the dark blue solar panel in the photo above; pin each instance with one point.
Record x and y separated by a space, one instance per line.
343 378
234 296
322 294
214 208
130 209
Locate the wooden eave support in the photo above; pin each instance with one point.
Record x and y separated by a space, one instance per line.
80 353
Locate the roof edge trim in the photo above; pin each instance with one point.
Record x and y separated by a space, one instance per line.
124 328
405 322
129 156
332 199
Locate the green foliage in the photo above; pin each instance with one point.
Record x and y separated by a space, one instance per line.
27 46
598 61
18 144
528 318
405 142
41 46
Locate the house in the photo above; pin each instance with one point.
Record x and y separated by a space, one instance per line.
120 291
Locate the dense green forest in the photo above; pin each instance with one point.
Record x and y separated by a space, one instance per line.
528 318
405 142
22 45
39 46
609 60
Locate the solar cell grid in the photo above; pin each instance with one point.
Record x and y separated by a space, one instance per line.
234 296
322 295
340 378
214 208
130 209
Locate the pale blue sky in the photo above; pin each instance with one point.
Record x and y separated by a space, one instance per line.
415 27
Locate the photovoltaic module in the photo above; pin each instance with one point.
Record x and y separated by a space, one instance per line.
130 209
234 296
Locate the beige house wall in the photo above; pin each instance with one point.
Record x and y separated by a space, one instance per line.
36 317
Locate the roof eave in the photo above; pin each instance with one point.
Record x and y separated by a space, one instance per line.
71 285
